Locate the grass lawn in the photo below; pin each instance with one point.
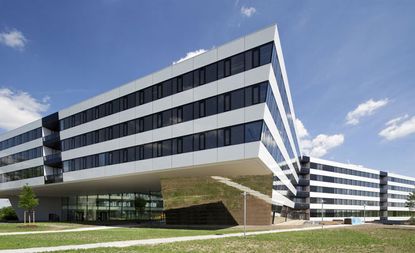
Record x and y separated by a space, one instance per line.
354 239
116 234
40 226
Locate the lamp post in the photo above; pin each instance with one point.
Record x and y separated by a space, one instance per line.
244 213
364 212
322 213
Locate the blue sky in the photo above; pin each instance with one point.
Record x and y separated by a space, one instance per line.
339 55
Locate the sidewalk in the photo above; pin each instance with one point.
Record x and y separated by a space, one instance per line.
58 231
121 244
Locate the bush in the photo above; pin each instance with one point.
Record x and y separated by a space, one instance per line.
8 214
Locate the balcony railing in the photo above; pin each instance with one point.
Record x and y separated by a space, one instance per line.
50 179
52 159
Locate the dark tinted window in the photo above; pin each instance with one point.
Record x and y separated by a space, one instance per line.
188 112
148 151
166 115
237 134
255 58
237 99
221 69
237 64
188 143
148 123
265 54
148 95
211 139
211 73
167 147
253 131
211 106
167 88
188 81
227 70
248 60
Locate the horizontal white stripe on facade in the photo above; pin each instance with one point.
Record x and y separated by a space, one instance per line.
23 129
341 196
341 175
400 176
401 184
179 161
34 181
344 207
343 186
22 165
398 192
344 165
22 147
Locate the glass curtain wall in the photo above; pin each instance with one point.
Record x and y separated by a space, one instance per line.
113 207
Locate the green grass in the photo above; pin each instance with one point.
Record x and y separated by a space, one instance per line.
116 234
356 239
39 226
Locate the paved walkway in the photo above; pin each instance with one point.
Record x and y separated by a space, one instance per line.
58 231
121 244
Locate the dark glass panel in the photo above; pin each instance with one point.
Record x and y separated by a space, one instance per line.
237 64
211 106
188 81
253 131
237 99
211 73
265 54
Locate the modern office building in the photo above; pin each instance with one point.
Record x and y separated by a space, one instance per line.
333 190
227 112
152 149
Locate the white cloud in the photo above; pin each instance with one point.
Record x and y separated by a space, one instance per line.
190 55
18 108
14 39
247 11
365 109
398 128
320 145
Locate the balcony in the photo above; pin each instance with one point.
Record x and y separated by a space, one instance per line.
301 206
304 171
53 160
52 140
304 182
51 179
302 194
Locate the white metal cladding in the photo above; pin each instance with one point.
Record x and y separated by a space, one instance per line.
343 186
21 130
230 83
344 165
341 175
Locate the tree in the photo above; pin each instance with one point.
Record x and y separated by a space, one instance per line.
7 214
28 201
139 204
410 203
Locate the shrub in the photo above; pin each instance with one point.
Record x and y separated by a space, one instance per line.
7 214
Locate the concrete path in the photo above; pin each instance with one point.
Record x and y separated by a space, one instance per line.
58 231
121 244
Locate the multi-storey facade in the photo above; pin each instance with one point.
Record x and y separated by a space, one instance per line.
150 148
227 112
337 191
